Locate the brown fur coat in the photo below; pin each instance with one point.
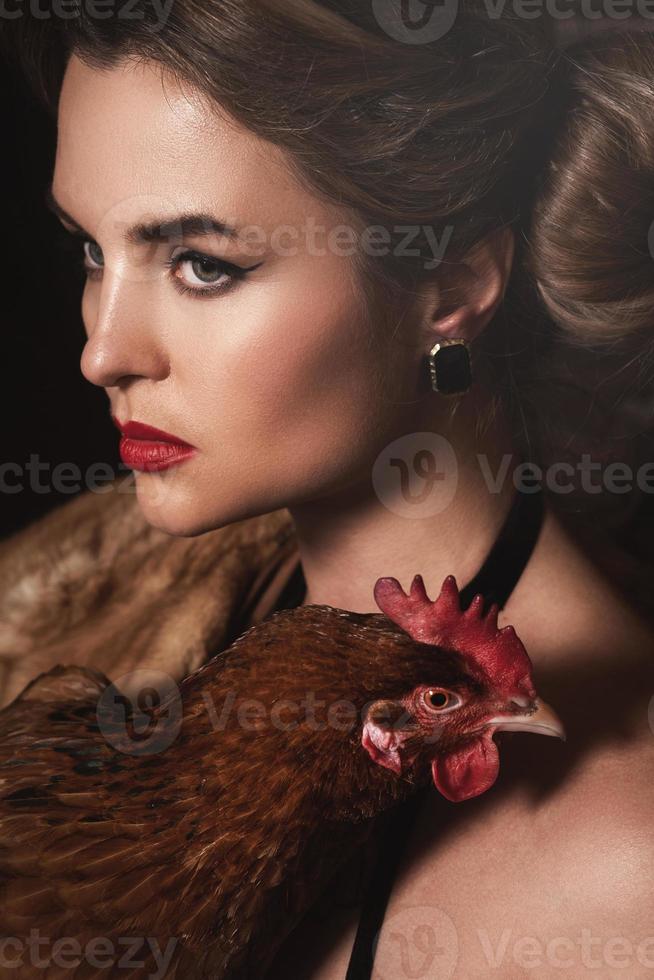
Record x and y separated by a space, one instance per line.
93 583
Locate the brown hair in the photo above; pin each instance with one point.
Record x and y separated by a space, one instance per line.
436 134
590 230
588 269
487 125
444 135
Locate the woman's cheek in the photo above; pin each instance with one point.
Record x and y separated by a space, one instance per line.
285 381
301 337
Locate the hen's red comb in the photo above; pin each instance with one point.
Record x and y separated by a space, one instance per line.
498 653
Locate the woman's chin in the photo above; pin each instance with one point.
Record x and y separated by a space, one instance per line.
171 505
178 507
182 528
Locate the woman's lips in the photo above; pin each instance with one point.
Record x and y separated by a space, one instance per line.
144 447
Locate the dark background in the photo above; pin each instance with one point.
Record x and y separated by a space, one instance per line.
48 408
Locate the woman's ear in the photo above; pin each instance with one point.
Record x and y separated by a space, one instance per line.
467 293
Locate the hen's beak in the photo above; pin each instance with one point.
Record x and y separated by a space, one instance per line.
540 718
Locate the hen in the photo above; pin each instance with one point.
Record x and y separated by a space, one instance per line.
192 847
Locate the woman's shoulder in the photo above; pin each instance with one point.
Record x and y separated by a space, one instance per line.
548 872
572 608
551 869
92 582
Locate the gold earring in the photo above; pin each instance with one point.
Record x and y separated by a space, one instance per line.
449 366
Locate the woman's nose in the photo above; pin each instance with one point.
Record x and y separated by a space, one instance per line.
122 336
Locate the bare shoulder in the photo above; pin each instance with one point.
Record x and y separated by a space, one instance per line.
541 876
608 841
549 873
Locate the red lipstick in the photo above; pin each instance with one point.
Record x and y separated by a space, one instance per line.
143 447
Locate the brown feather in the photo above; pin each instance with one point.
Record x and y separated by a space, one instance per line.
221 841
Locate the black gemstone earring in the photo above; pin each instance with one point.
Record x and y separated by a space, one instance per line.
449 367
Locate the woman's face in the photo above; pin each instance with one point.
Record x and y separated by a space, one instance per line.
261 353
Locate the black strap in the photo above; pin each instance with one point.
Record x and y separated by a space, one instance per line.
495 581
505 563
294 590
502 568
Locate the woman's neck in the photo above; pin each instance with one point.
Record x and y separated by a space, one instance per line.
444 522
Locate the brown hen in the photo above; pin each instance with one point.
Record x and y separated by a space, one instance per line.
186 838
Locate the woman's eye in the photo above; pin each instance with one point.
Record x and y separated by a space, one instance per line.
94 253
203 271
192 272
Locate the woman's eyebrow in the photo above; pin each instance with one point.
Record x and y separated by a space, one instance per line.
140 233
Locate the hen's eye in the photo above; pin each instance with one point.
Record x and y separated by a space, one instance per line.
436 697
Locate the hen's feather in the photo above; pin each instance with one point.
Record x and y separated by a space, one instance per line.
202 826
218 843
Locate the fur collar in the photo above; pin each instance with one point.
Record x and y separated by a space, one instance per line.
93 583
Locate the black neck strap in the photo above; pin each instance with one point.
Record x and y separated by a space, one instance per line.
502 568
495 580
505 562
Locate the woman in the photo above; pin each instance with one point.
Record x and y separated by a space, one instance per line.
298 221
